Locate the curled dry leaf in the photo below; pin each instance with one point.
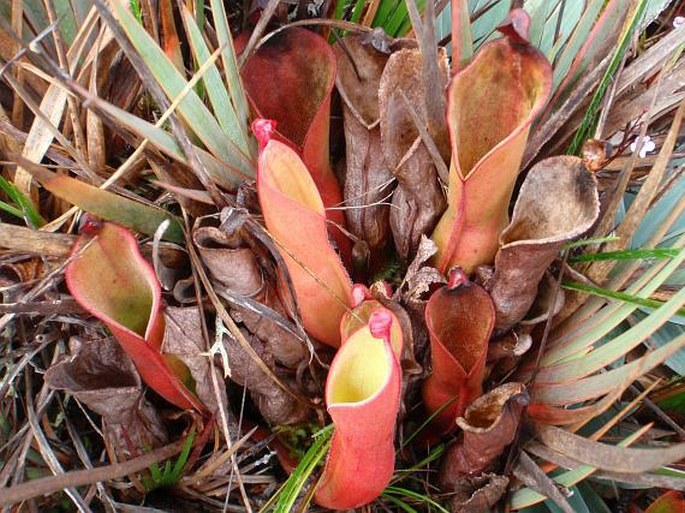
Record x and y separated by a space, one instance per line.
100 375
21 271
418 200
230 260
240 267
363 398
420 277
183 338
489 425
491 105
294 215
478 494
511 345
290 79
558 202
368 179
275 404
459 318
505 352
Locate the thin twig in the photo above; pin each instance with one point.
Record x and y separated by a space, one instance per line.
53 484
264 20
661 414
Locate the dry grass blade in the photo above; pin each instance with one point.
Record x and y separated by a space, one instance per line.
566 462
528 472
46 451
259 29
433 83
610 382
231 69
48 125
52 106
607 457
27 241
652 59
526 497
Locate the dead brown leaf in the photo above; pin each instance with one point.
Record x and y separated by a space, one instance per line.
368 178
489 425
103 377
420 277
558 202
528 472
246 276
418 200
274 403
478 494
183 338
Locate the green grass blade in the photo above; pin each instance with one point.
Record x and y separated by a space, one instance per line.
399 503
357 11
175 473
630 254
589 122
160 138
435 454
615 348
618 296
25 209
293 486
235 86
191 108
404 492
11 210
384 12
492 13
539 11
155 473
216 90
136 10
426 422
139 217
68 25
166 474
612 315
394 22
584 25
